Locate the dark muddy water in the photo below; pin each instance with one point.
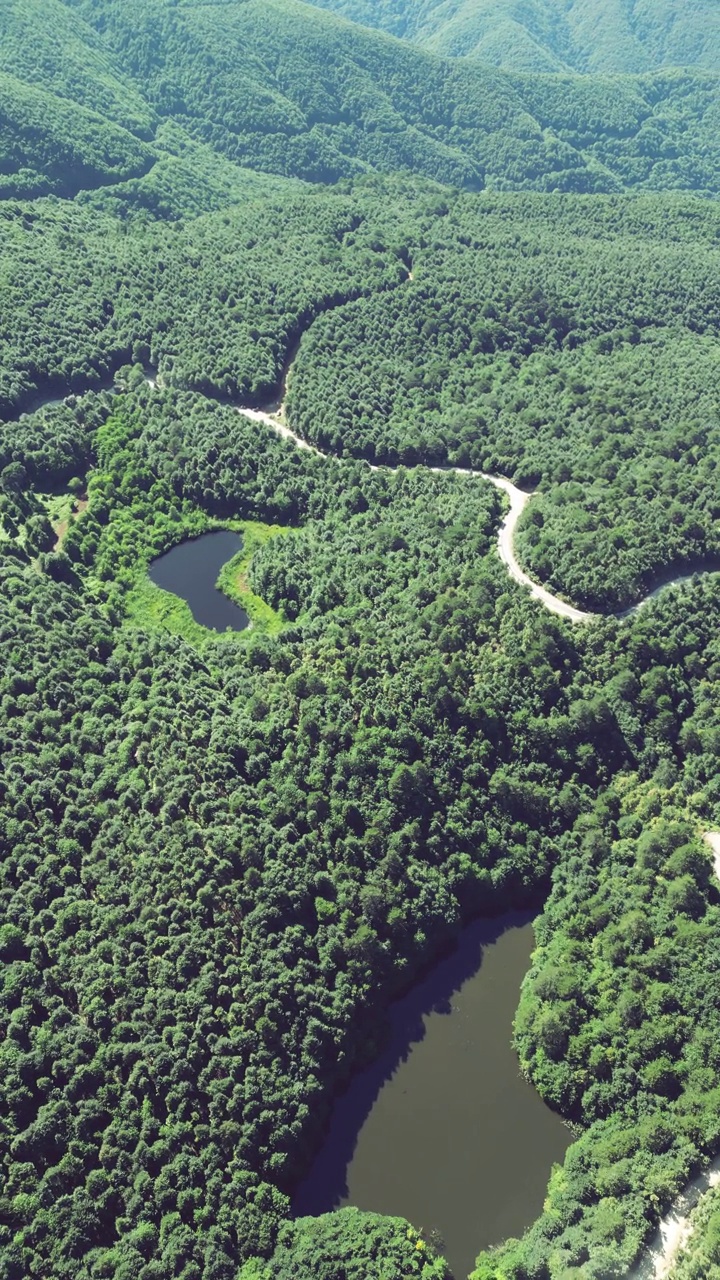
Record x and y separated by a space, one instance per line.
442 1129
190 571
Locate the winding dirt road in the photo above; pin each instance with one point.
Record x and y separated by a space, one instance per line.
275 417
519 499
506 549
506 534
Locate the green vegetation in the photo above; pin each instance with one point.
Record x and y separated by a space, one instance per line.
150 607
185 300
62 507
605 341
341 1246
379 104
551 35
470 772
617 1026
700 1258
565 342
284 87
45 43
48 145
234 578
198 758
222 856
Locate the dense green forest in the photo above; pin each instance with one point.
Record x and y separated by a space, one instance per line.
585 362
552 35
284 87
224 855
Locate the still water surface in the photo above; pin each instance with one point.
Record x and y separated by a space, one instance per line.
190 571
442 1129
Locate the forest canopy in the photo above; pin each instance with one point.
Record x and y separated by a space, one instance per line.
223 856
551 35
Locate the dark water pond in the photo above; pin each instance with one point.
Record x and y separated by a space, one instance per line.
190 571
442 1129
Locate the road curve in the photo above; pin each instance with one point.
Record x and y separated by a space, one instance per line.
274 416
518 498
506 534
506 548
275 422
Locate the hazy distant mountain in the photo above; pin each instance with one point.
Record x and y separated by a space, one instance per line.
551 35
283 87
90 88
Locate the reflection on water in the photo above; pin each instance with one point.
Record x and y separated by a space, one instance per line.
190 571
442 1129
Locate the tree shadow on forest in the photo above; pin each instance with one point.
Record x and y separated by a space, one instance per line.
325 1186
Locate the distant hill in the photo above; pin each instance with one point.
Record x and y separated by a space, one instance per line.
280 86
47 45
69 120
48 145
552 35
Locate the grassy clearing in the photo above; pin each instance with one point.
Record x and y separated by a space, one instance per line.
233 579
61 506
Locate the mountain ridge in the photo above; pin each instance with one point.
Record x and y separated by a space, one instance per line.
289 88
585 36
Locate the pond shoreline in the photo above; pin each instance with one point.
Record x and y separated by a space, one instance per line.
440 1126
190 570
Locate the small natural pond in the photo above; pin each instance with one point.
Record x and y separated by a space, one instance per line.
190 571
442 1129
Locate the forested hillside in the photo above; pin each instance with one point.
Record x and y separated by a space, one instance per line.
552 35
568 343
223 855
281 86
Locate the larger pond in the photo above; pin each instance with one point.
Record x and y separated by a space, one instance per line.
442 1129
190 571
